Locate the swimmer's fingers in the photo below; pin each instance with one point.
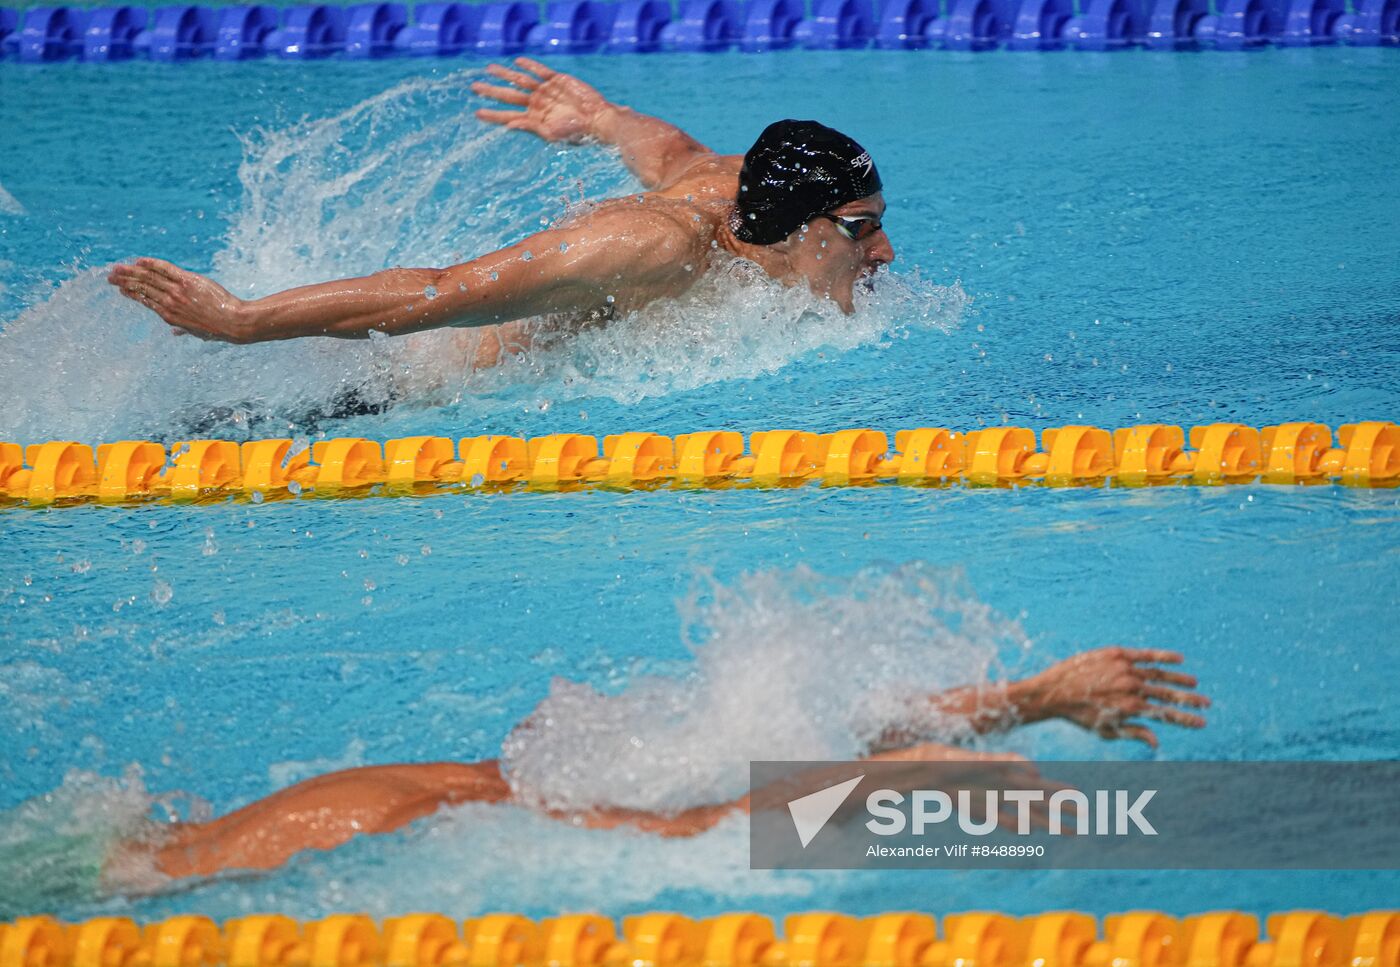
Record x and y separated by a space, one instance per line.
1174 716
535 67
161 298
506 95
1156 656
161 267
150 290
511 120
1138 733
1176 696
1172 678
514 77
141 286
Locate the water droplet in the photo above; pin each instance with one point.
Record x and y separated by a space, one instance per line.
688 267
527 256
293 487
610 300
257 498
495 276
402 559
218 617
137 546
162 592
430 291
461 287
563 246
823 243
369 585
82 567
477 480
425 550
367 600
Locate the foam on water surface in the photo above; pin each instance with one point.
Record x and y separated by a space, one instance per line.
64 849
9 204
407 177
787 665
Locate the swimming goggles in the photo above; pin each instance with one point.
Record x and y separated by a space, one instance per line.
857 229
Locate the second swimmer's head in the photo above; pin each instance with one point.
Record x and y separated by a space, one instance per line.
795 171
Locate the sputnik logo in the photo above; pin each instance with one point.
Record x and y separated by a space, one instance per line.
811 812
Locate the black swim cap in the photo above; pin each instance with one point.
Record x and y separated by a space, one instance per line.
794 171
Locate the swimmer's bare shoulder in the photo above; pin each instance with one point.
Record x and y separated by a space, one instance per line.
709 177
654 244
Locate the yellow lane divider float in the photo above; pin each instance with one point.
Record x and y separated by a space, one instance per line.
1363 454
1142 939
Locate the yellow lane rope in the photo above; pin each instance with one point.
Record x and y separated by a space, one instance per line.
1064 939
1361 454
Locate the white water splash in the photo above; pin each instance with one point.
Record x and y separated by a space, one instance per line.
735 323
787 665
476 859
9 204
407 177
61 850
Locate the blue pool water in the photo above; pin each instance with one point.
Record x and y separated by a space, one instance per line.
1087 239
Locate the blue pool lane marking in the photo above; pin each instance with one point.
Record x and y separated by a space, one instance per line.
502 29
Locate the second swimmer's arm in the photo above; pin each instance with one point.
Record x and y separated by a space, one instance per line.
1103 690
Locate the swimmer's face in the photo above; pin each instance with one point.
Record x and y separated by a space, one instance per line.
834 262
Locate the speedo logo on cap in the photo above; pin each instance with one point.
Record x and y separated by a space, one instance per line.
863 161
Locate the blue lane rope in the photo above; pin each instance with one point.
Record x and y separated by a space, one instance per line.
508 27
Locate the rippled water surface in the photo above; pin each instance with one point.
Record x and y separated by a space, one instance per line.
1081 239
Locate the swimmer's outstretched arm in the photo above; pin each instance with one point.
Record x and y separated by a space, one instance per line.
326 811
1101 690
560 107
628 251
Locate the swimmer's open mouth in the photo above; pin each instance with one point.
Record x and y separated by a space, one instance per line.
866 283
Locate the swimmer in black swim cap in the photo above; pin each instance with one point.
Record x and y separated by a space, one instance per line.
797 171
804 204
797 175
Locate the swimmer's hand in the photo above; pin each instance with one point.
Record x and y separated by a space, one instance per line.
558 107
186 300
1104 689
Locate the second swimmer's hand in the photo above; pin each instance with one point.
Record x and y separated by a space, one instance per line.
1105 689
186 300
558 107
